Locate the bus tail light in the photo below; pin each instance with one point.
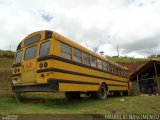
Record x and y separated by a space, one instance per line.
45 64
41 65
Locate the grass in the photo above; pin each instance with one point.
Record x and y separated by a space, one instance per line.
131 104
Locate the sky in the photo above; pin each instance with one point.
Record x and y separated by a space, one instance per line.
100 25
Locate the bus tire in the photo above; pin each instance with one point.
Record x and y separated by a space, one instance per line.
101 93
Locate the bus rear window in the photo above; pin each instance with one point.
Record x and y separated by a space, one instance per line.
19 57
44 49
30 53
32 40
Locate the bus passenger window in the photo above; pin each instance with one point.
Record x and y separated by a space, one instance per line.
93 62
123 73
30 53
19 57
116 70
110 68
99 63
66 51
44 49
104 66
113 69
86 58
120 71
126 73
77 55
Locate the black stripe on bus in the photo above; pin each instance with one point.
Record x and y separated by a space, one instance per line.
15 75
117 85
78 82
70 81
75 63
75 73
17 64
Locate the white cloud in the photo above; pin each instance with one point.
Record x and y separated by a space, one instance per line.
101 24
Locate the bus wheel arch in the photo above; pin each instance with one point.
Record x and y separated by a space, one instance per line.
105 85
101 93
104 89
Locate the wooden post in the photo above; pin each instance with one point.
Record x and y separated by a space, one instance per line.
155 68
138 84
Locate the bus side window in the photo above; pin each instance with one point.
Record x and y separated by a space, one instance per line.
109 68
116 70
93 61
99 63
66 51
77 55
123 73
126 73
113 69
44 49
86 58
104 66
120 71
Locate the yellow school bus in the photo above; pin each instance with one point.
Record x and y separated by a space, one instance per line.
46 61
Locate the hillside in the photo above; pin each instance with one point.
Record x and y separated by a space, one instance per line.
7 54
6 61
127 60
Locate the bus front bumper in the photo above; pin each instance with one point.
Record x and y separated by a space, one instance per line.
36 88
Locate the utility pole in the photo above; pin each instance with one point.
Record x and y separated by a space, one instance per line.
118 50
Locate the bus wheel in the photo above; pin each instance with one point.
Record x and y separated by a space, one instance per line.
101 93
18 96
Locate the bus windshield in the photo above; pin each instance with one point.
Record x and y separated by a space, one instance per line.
19 56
